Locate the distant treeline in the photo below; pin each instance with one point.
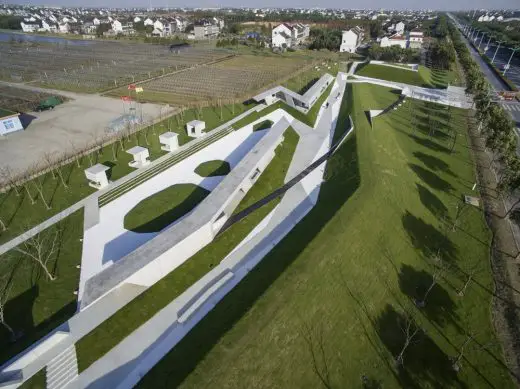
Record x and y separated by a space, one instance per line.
8 22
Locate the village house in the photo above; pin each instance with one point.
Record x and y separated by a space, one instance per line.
394 40
351 40
285 35
415 38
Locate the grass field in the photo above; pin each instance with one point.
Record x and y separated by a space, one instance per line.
142 308
329 300
37 305
425 77
213 168
163 208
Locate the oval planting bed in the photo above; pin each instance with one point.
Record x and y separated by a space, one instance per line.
213 168
163 208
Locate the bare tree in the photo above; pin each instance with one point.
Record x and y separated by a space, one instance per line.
7 176
456 362
38 184
6 285
410 331
470 274
76 153
49 160
436 275
313 337
42 248
3 226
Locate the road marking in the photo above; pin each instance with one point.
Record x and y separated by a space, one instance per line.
506 107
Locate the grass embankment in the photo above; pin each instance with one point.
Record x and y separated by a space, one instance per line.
163 208
425 77
36 305
213 168
142 308
328 299
37 381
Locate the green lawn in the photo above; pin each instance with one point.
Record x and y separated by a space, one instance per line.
263 125
393 74
37 381
163 208
37 305
328 300
213 168
116 328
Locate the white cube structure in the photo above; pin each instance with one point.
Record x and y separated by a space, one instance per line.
97 176
140 155
169 141
195 128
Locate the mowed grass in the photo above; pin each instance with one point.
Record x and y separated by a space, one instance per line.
213 168
138 311
329 300
163 208
393 74
35 304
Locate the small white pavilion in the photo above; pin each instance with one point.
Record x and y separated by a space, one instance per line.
195 128
169 141
140 155
97 176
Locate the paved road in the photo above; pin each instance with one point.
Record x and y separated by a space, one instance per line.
493 79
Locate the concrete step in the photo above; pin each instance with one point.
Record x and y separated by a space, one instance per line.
62 369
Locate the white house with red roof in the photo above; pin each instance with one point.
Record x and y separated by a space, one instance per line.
394 40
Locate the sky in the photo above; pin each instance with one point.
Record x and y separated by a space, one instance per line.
361 4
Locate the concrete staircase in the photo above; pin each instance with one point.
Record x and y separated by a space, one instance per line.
62 369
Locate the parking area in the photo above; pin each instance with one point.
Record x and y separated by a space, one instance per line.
71 125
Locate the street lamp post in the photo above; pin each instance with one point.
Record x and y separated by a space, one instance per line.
487 44
506 67
496 51
481 39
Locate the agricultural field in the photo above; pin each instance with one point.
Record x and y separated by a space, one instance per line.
96 66
227 80
20 100
329 306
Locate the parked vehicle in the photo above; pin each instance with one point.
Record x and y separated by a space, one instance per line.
48 103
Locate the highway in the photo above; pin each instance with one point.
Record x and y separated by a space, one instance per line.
512 107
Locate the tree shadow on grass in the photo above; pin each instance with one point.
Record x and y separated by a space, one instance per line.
343 179
439 307
432 202
430 178
433 163
424 362
427 238
430 144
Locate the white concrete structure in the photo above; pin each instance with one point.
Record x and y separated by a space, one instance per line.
97 176
169 141
9 122
301 102
195 128
206 31
351 40
141 156
117 26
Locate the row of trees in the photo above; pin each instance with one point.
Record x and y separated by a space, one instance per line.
325 38
393 54
493 122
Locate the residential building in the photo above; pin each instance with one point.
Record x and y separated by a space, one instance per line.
397 28
159 25
351 40
117 26
30 26
64 28
207 31
96 21
415 38
394 40
289 35
137 19
281 36
148 22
